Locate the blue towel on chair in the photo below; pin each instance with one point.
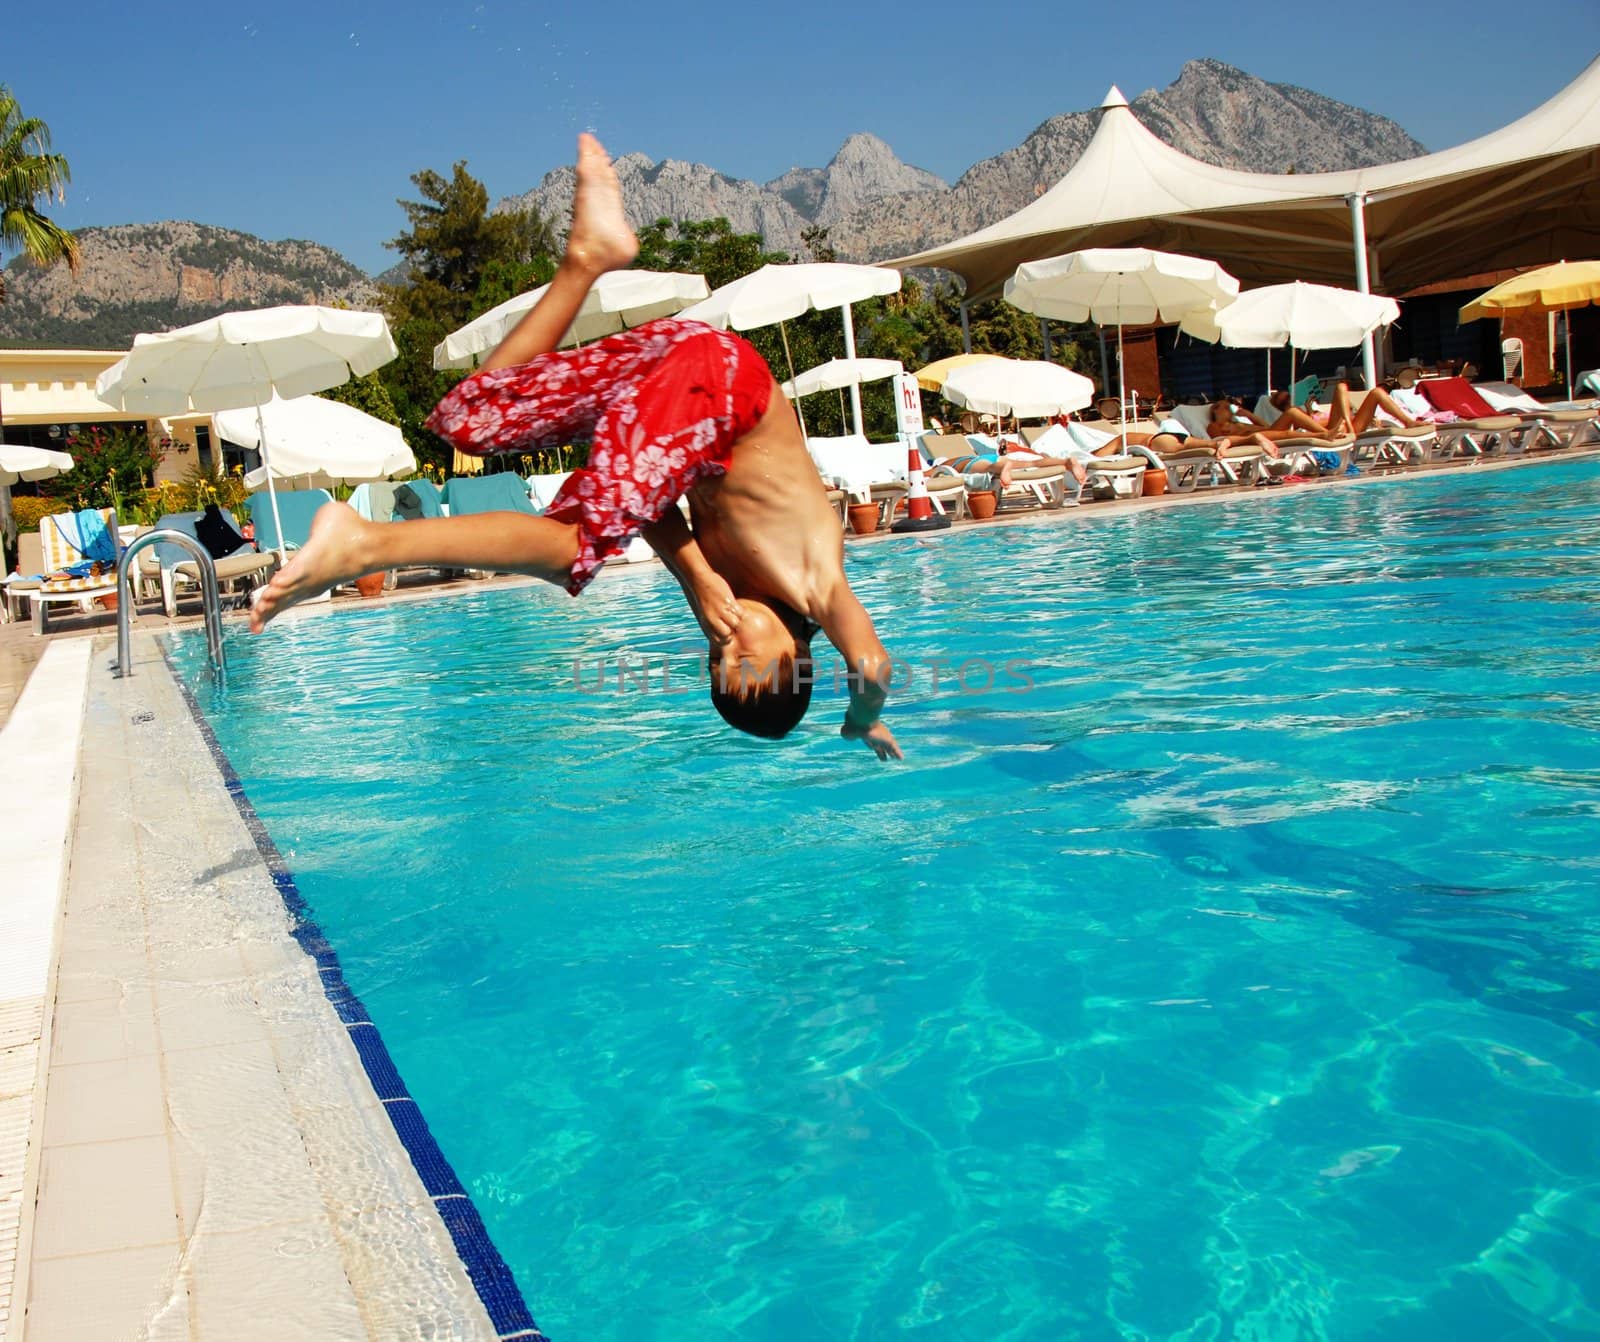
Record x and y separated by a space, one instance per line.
87 533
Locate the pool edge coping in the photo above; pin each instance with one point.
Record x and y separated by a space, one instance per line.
486 1268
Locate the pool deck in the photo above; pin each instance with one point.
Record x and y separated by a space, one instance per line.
191 1145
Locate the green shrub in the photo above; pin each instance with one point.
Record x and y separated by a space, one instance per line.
28 510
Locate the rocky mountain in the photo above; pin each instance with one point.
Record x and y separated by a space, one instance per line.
1211 112
865 170
147 277
153 277
875 206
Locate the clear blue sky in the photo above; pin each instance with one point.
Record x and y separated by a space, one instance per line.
306 120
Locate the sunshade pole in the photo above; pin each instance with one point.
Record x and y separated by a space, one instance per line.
850 353
1122 389
783 332
266 461
1566 329
1358 233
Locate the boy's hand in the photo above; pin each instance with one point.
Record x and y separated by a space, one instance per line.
715 607
878 738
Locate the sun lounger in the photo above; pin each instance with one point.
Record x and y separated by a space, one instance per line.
1031 486
295 506
66 543
1479 426
172 566
867 472
1564 424
1119 476
18 585
1392 446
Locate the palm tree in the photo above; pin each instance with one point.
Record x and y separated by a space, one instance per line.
28 171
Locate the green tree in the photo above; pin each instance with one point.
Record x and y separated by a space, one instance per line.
368 394
461 261
29 174
108 466
706 247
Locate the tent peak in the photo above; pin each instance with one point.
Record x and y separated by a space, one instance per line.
1113 98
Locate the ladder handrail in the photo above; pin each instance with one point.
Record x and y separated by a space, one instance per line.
208 596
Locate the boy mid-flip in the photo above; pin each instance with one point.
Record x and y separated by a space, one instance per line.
672 409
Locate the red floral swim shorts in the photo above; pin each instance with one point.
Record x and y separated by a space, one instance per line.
661 405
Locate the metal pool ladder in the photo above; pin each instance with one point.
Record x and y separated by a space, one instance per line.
208 595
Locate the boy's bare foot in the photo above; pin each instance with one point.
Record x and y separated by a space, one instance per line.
330 557
600 238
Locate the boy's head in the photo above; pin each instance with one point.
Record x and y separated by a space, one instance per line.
761 677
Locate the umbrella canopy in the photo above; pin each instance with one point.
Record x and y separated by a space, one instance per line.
244 358
781 293
1557 288
18 463
618 299
1023 387
329 442
1307 316
1566 284
1120 286
839 373
23 463
930 377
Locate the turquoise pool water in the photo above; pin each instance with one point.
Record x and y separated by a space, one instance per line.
1240 979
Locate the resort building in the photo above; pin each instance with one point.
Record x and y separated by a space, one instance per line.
47 398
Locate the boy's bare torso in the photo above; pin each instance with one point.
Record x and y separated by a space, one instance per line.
766 525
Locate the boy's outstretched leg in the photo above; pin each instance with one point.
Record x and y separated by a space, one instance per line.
343 546
599 240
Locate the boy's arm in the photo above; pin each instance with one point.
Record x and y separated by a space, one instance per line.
707 591
849 628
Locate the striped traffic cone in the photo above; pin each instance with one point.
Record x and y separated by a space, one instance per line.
919 507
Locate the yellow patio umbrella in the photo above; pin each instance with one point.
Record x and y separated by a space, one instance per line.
1567 284
931 376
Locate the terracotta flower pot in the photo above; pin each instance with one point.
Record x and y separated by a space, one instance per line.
863 518
1155 482
981 504
107 602
370 584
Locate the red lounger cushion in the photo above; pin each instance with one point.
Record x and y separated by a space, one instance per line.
1457 395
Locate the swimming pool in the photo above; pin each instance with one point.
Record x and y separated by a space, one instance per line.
1238 978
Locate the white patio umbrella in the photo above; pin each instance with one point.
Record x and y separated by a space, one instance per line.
326 441
242 359
837 374
1300 315
618 300
1026 388
776 294
18 463
1120 286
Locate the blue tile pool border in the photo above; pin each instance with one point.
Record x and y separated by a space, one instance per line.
490 1276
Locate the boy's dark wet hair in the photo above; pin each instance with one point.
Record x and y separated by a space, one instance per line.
768 700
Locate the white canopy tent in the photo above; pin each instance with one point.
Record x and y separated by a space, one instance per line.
1522 195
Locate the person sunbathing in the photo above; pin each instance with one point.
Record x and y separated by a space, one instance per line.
1135 442
673 409
1340 418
